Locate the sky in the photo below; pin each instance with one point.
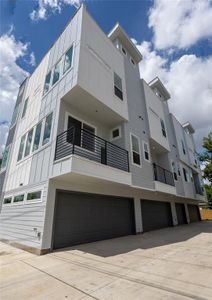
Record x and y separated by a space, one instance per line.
174 37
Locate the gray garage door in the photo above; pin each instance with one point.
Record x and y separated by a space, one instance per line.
194 213
181 215
82 218
155 214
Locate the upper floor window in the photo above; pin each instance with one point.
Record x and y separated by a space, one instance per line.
34 196
25 108
146 151
185 173
37 137
163 127
183 147
21 147
14 117
56 73
47 82
68 59
4 159
118 86
116 133
124 51
174 170
132 61
18 198
28 142
135 148
7 200
47 129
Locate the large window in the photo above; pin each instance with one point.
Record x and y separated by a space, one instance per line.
21 147
4 159
68 59
34 196
118 86
28 143
56 73
47 82
25 108
18 198
47 129
146 151
163 127
37 137
135 147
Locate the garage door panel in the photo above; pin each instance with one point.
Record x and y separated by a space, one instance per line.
81 218
181 215
155 214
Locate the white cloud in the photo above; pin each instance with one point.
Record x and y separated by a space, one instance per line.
188 79
11 75
180 24
32 61
45 7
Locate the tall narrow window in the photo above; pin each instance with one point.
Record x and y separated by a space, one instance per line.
14 117
174 170
118 86
25 108
37 137
163 127
21 147
185 173
47 82
4 159
28 143
146 151
56 73
135 147
68 59
183 147
47 129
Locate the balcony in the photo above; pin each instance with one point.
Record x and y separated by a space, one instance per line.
163 175
83 143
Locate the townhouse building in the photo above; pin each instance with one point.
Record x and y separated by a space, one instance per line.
93 151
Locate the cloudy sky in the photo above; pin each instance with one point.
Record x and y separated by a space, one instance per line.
174 37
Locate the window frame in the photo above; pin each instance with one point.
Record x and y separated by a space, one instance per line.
7 148
43 131
163 128
185 175
143 144
7 197
34 200
183 146
25 106
59 62
40 138
23 150
117 137
131 147
174 170
19 202
13 122
63 63
50 81
123 50
30 147
116 87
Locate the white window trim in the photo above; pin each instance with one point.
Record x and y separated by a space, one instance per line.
131 134
43 129
143 143
2 170
23 117
34 200
25 201
20 202
7 204
118 88
72 59
118 137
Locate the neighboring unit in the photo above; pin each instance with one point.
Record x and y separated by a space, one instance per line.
93 152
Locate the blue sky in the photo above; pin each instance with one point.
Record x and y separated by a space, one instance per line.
174 37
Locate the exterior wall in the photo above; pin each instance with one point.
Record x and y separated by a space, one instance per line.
155 112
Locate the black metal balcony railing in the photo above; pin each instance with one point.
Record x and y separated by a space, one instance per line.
163 175
84 143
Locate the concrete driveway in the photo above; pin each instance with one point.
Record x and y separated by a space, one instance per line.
173 263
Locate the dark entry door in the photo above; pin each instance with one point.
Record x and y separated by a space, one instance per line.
194 213
155 214
82 218
181 215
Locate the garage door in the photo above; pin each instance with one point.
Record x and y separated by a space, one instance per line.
82 218
181 215
155 214
194 213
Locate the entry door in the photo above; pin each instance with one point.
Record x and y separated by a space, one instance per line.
77 125
181 215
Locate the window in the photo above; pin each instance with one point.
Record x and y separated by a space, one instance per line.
14 117
68 59
21 147
47 82
124 51
7 200
4 159
47 129
183 147
25 108
185 173
34 196
28 142
118 86
146 151
56 73
174 170
116 133
19 198
163 127
132 61
37 137
136 158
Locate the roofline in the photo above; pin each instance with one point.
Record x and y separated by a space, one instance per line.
157 80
